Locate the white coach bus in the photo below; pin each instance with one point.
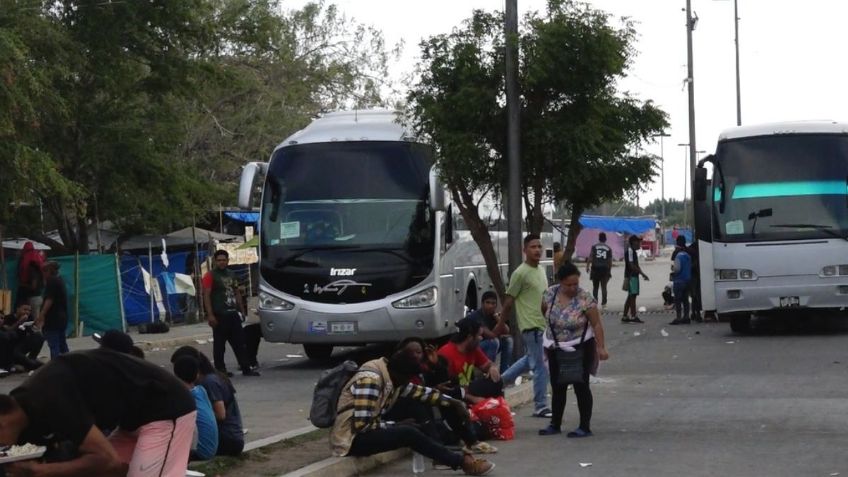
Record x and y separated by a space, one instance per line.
358 243
772 221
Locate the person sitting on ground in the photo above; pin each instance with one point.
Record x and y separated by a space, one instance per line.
373 390
668 297
435 375
464 357
222 395
117 340
488 318
22 343
76 394
205 442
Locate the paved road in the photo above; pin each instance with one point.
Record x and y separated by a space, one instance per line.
278 401
701 402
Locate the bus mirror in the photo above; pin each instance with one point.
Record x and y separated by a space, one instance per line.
249 175
437 191
700 184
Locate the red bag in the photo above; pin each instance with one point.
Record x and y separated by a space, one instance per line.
494 414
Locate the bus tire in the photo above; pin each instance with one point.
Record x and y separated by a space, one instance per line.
318 352
740 323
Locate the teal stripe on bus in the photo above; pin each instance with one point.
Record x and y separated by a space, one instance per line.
787 189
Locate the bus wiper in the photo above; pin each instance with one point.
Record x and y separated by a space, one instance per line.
756 215
824 228
282 262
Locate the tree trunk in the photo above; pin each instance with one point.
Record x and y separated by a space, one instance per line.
573 231
480 233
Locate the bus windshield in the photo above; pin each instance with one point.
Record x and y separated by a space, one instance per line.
788 187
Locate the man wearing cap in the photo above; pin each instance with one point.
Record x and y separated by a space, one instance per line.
53 318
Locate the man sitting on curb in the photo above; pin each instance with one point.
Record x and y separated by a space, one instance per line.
358 429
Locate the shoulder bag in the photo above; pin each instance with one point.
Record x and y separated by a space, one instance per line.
570 363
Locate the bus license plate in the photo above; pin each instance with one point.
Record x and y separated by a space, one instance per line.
789 301
343 327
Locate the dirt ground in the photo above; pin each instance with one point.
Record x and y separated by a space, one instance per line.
270 461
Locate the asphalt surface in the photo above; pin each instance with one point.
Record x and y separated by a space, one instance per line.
698 400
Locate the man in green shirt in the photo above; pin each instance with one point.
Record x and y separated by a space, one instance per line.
224 310
526 287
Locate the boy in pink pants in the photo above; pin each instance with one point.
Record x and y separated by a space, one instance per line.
76 395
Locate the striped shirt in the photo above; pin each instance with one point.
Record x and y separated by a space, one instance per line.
366 398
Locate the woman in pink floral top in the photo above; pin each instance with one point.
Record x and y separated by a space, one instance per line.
570 311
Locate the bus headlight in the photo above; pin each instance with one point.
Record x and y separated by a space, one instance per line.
270 302
422 299
728 274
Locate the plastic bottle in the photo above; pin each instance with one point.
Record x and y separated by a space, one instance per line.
417 463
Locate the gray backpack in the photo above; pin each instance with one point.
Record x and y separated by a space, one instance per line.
329 387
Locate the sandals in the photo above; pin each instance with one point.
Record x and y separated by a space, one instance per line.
549 431
579 433
480 447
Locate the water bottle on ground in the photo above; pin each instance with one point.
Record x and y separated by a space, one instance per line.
417 463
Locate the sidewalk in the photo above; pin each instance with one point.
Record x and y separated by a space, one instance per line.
178 335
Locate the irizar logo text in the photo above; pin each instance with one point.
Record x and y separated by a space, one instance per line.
342 272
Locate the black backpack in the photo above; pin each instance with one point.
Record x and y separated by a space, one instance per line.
329 387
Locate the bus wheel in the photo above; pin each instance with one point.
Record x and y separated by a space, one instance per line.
740 323
318 352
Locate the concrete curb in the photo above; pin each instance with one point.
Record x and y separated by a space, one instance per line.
354 466
259 443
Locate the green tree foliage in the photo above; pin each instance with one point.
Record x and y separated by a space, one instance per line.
579 133
139 112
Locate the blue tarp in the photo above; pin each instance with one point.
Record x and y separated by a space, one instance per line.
627 225
136 299
248 217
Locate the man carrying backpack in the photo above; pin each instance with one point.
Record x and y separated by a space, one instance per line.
358 429
681 275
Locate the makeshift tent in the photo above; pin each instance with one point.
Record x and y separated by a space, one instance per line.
179 239
137 299
247 217
99 301
617 230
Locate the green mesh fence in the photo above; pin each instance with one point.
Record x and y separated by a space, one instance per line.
98 288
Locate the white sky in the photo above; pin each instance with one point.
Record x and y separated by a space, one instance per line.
792 59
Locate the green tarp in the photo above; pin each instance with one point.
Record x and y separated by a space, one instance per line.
99 299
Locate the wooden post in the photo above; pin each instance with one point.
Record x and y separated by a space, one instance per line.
77 294
150 266
120 292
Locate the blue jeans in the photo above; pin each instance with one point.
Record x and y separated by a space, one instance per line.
56 341
490 348
532 360
506 345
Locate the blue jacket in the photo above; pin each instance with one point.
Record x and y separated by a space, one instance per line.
682 268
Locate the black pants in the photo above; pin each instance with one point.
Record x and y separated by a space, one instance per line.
424 415
600 278
229 330
681 299
252 337
227 446
398 437
581 390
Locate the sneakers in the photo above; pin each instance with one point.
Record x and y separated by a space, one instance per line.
546 413
636 319
251 372
680 321
477 467
549 431
480 448
579 433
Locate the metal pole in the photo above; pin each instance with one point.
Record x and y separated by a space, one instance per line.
685 189
662 173
150 266
738 88
513 139
513 147
690 26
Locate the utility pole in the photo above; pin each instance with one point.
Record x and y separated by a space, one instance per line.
513 153
662 135
736 40
690 27
685 184
512 136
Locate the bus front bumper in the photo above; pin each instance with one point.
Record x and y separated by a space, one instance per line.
301 325
782 293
